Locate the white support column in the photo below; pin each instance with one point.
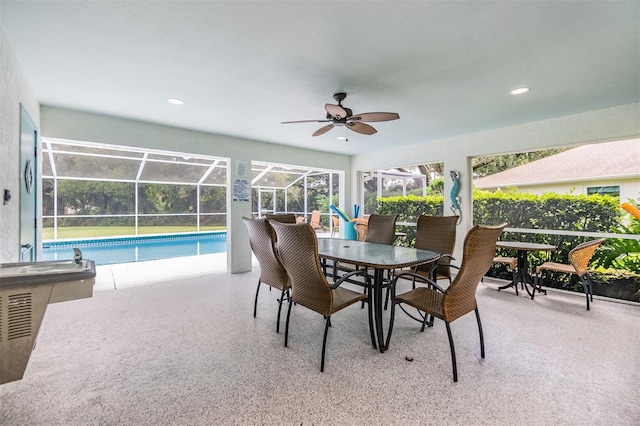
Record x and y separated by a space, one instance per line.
238 248
462 165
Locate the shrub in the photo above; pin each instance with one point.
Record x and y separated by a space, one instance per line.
550 211
566 212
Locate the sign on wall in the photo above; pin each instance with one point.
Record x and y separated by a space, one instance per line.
241 191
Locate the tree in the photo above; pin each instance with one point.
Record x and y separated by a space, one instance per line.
485 166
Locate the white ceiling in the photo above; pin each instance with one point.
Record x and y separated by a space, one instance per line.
243 67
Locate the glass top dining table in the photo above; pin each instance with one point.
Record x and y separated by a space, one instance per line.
379 257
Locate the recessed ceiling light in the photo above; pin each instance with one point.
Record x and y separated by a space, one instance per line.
175 101
520 90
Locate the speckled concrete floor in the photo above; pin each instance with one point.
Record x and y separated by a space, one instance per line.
187 351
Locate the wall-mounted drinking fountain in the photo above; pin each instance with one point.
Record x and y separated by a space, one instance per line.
25 291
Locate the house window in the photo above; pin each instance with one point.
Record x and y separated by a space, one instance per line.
613 190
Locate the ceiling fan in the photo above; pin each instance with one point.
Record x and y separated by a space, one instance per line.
337 115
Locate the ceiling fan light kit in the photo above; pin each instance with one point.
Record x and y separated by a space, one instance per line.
338 115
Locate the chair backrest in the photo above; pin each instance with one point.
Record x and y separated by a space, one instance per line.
477 256
298 250
581 254
436 233
360 225
336 221
381 229
282 217
315 219
262 239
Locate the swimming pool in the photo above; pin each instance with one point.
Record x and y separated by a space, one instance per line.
107 251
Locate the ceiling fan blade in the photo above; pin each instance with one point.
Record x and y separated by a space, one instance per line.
305 121
335 111
365 129
322 130
375 116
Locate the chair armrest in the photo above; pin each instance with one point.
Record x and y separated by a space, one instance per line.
436 263
418 277
351 274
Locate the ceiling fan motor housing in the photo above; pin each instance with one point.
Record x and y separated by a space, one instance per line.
339 97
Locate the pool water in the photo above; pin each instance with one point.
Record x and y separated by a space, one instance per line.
137 249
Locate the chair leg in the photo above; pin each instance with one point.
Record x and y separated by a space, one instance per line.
480 332
282 296
255 303
286 328
586 290
424 322
536 280
324 342
453 352
430 322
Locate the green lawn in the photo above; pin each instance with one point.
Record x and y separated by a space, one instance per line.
113 231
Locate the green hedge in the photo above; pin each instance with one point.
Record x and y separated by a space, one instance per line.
593 213
589 213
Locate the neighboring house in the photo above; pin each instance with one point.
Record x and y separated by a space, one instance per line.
603 168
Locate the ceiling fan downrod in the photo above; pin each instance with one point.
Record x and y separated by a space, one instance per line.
339 97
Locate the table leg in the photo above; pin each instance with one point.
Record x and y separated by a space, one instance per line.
521 273
518 276
511 284
525 278
378 283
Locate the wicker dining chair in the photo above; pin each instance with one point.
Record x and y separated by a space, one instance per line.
380 229
315 220
282 217
436 233
336 225
298 249
460 297
262 239
579 258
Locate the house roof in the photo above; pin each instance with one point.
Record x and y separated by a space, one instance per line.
588 162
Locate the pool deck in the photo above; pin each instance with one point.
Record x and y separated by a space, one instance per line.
189 351
126 275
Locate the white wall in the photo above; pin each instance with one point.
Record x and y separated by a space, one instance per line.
83 126
616 123
14 90
629 188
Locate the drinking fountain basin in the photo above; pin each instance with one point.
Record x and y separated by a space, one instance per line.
25 291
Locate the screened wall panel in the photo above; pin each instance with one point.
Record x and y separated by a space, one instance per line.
129 190
218 175
213 199
72 165
156 198
155 171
